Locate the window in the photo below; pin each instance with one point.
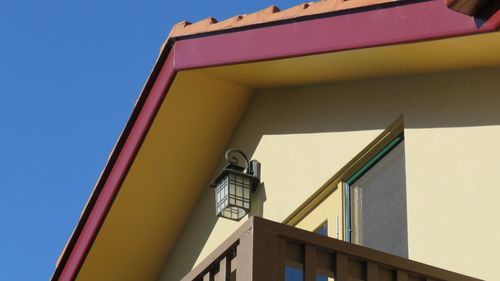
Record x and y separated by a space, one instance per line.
294 273
365 201
375 202
322 229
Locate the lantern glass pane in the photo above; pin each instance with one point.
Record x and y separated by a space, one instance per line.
221 195
233 196
234 213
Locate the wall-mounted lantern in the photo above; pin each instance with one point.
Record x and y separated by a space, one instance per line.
234 185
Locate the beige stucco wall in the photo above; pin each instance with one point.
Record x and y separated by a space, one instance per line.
304 135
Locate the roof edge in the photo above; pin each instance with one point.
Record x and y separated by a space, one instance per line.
112 158
482 9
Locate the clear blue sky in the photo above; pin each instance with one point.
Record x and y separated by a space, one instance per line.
70 72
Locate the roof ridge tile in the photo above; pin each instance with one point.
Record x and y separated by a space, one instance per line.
269 14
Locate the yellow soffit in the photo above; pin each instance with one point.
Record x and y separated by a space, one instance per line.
173 166
197 117
455 53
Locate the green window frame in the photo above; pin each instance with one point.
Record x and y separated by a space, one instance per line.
357 175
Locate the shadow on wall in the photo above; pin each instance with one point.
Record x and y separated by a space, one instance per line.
193 236
451 99
258 199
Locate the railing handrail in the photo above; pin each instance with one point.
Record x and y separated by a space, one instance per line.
300 236
261 247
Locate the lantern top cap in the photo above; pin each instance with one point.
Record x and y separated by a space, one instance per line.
233 169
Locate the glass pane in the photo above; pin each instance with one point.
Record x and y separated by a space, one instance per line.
239 203
293 273
323 229
378 205
323 277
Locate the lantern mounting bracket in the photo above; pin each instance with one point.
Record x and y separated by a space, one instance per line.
251 168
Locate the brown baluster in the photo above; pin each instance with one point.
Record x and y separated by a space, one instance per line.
208 277
341 267
310 263
401 275
371 271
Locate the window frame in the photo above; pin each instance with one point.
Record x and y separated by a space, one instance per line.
336 182
347 211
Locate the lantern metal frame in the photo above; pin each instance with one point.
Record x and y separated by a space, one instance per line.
234 186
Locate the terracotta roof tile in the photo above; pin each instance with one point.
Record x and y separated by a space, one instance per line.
259 16
228 23
269 14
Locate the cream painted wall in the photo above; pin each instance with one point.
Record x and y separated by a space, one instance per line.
329 211
304 135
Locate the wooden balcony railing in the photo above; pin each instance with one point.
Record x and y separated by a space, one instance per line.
260 250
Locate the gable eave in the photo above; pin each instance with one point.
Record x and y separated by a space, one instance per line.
372 28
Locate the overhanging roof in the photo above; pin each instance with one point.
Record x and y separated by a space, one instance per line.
338 38
482 9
